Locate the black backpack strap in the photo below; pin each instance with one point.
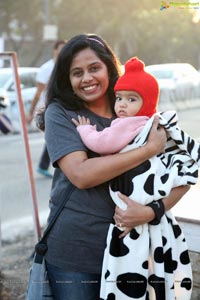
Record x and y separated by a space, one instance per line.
41 246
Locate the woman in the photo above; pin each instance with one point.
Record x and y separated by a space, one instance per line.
82 84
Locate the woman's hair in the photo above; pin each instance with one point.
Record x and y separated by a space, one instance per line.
59 88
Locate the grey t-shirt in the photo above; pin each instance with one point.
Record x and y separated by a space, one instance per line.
77 240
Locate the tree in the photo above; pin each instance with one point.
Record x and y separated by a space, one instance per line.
131 27
21 23
134 28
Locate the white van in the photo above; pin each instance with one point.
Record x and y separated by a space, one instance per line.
7 91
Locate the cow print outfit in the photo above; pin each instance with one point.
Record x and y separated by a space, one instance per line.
152 261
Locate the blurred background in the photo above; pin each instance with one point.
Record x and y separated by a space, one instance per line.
143 28
156 32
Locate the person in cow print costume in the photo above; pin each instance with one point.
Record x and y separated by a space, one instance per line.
151 262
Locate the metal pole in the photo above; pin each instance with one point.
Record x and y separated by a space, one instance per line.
26 145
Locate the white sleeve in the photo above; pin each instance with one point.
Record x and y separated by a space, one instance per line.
44 72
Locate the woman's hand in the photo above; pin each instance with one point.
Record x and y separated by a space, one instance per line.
81 121
135 214
157 138
138 214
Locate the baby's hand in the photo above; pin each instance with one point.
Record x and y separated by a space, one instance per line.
81 121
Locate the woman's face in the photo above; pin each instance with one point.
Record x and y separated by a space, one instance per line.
89 76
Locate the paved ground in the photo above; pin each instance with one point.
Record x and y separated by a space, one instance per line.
15 192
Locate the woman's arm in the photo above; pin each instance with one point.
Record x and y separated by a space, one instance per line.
137 214
86 173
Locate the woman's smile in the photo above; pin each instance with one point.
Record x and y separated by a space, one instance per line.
90 89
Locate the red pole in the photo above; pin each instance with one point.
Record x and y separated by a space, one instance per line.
26 144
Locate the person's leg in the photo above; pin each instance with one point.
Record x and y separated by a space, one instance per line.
73 285
44 163
44 160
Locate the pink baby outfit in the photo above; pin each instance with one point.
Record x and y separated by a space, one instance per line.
106 141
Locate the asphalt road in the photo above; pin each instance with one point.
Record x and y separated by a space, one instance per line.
15 194
16 212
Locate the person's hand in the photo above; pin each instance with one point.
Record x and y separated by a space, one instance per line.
81 121
134 215
126 230
157 138
29 118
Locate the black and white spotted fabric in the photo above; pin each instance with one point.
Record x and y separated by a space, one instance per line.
152 262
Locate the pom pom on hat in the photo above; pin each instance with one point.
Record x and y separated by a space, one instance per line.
135 78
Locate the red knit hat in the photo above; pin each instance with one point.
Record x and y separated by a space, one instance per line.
135 78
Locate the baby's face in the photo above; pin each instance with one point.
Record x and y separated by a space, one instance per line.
127 103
